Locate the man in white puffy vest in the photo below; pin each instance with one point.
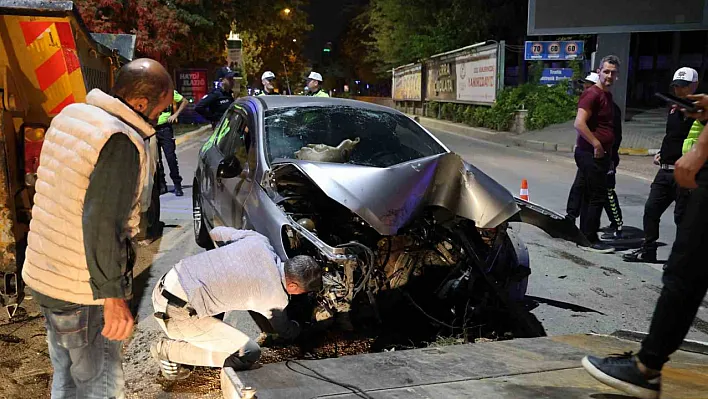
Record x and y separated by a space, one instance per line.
92 173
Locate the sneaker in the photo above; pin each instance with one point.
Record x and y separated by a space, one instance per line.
621 372
598 247
163 189
640 255
178 190
170 370
612 235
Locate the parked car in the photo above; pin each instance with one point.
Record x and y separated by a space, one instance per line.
376 198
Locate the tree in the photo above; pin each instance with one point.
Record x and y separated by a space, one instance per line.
404 31
272 39
156 25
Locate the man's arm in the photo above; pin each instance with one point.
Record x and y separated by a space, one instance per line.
107 205
285 328
204 106
179 99
581 125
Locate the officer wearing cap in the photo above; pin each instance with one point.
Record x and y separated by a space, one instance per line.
314 85
267 80
214 105
664 189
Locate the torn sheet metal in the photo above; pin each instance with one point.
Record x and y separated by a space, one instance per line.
552 223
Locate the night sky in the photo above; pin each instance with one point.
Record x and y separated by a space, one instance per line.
330 18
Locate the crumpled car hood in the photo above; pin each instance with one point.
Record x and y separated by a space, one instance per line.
388 198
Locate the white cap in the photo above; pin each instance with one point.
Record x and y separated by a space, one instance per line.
593 77
315 76
268 75
684 77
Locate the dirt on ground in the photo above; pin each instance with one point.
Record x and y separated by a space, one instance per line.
25 369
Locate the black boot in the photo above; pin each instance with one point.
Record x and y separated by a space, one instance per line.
641 255
163 188
178 189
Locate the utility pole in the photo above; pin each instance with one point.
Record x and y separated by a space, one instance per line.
286 77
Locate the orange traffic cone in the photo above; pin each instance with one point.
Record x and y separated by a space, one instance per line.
524 194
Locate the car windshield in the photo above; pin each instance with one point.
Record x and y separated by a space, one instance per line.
344 134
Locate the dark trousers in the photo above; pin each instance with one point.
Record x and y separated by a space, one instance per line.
685 281
166 144
591 185
663 192
612 206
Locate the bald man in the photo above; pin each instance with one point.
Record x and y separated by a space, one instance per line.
92 174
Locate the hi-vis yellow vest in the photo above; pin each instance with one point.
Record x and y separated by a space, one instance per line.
692 137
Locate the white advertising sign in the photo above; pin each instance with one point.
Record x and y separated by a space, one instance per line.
477 77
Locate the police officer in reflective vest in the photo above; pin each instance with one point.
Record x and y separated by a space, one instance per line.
268 87
166 144
314 85
214 105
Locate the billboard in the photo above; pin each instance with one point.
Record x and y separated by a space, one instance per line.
563 17
441 81
407 82
477 76
193 85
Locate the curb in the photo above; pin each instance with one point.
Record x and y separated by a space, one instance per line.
485 134
190 135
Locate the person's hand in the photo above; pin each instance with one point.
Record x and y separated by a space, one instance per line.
270 340
657 159
599 151
688 166
118 321
699 100
172 118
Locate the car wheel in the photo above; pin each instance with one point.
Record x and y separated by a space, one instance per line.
201 234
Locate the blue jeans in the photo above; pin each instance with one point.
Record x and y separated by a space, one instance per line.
86 364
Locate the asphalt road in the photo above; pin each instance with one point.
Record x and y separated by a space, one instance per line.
576 291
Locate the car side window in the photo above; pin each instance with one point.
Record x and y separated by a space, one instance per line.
228 139
245 137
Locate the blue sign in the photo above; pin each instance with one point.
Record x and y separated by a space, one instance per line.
552 76
554 51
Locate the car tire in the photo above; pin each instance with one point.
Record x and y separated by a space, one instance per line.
201 234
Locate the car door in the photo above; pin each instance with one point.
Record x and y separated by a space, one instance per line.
232 191
212 156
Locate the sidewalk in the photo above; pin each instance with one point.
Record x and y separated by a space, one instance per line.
547 367
640 136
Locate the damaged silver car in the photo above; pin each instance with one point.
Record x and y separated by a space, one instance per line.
378 200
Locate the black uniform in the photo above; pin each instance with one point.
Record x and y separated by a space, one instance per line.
214 105
664 189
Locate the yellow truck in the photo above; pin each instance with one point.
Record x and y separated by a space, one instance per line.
48 60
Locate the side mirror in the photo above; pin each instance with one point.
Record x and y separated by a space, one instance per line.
229 167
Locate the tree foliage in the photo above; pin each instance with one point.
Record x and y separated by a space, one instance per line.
403 31
155 24
193 32
273 39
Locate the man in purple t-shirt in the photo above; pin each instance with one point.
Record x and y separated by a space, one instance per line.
595 126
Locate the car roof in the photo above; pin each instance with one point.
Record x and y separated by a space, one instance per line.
274 102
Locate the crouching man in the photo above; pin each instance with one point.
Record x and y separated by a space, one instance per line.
245 274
